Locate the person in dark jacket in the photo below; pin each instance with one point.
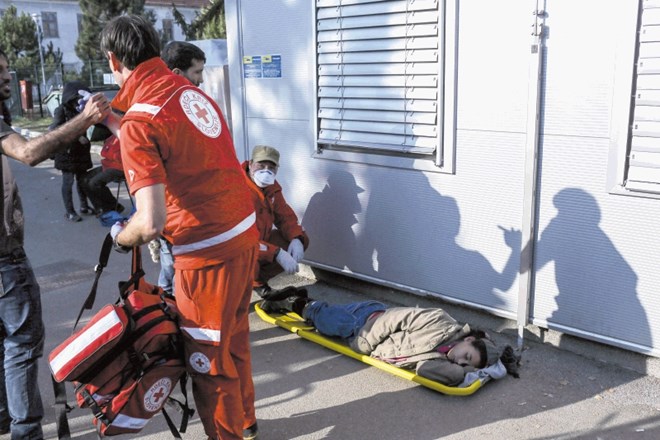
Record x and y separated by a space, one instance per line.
96 180
76 159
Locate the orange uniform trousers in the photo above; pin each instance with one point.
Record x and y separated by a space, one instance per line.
213 303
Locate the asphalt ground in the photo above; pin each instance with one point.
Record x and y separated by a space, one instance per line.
305 391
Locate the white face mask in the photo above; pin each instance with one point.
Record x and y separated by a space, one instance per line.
263 178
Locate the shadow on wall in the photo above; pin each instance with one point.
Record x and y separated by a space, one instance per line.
410 237
329 220
597 287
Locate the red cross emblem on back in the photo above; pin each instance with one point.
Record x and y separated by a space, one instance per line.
201 113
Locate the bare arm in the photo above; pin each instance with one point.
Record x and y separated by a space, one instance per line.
113 122
149 219
34 151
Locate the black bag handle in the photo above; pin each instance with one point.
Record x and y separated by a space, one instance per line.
104 256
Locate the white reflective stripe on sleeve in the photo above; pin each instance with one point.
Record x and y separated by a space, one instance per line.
145 108
203 334
124 421
237 230
82 342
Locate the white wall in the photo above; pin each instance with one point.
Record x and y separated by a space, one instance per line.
443 234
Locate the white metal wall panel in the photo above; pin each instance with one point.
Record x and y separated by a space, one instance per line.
493 65
597 253
268 31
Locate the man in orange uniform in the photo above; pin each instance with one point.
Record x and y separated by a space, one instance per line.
282 241
181 166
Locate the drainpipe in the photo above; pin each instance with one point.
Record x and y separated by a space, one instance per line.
237 99
531 168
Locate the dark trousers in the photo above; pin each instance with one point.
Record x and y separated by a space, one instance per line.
95 183
67 190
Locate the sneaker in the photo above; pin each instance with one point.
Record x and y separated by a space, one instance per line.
87 210
251 432
263 291
292 303
276 295
73 217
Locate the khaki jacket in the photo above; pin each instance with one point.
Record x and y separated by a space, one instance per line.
409 337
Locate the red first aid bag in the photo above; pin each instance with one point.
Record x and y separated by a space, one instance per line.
127 360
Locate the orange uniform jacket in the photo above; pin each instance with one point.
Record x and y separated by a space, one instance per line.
173 134
272 209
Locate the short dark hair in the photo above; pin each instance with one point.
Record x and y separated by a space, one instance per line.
180 55
133 40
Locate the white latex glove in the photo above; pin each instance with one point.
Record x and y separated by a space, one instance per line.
296 250
114 232
116 229
287 262
82 101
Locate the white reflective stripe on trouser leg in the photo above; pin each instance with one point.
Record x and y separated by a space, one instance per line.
237 230
203 334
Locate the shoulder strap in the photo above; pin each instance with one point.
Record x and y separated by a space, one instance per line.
104 256
61 409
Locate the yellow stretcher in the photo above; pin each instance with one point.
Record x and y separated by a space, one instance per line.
295 324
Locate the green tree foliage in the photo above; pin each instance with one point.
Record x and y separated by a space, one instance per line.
18 38
52 57
95 15
208 23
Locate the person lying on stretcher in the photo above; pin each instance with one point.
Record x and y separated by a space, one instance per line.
427 340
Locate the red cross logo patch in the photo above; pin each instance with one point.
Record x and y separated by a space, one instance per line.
156 395
199 362
201 113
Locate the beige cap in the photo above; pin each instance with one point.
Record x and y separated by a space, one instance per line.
264 152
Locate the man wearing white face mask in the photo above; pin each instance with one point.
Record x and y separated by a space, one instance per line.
283 246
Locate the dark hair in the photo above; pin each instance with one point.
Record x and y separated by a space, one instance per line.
508 357
480 345
180 55
132 39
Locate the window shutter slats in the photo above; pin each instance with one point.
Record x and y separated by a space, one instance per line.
378 66
377 116
643 173
386 44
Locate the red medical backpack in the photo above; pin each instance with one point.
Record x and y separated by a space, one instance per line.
128 358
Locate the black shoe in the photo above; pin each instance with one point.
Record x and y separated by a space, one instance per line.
292 303
263 291
276 295
119 208
251 432
87 210
73 217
